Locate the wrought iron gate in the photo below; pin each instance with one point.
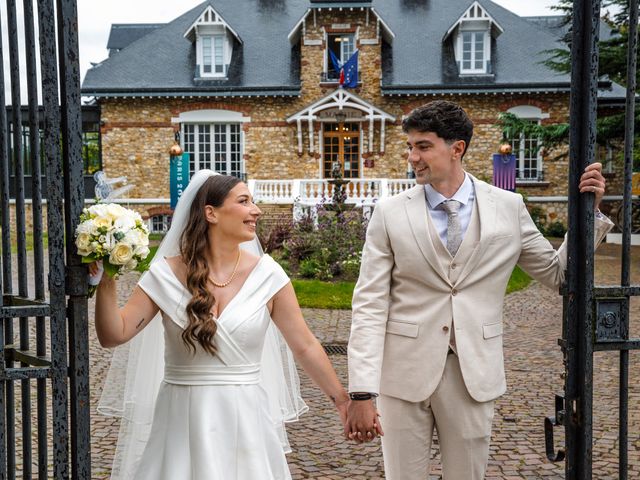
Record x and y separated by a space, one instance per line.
47 357
595 318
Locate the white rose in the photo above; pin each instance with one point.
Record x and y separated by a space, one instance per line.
83 242
115 210
93 228
99 210
84 227
136 237
131 264
101 222
124 222
121 254
142 251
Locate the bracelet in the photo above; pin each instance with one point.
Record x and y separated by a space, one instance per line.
361 396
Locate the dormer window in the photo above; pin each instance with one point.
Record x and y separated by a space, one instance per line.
472 34
214 40
342 46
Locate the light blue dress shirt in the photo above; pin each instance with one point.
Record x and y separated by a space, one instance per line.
465 195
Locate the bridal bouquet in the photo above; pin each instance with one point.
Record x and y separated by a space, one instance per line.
113 236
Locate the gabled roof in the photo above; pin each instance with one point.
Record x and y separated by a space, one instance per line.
319 5
162 63
516 55
474 13
209 17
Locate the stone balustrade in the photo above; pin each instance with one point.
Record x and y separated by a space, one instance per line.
359 191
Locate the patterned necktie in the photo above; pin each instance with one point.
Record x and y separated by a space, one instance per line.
454 231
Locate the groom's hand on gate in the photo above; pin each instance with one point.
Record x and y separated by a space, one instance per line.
363 422
593 181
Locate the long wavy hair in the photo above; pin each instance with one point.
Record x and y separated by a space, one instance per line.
194 248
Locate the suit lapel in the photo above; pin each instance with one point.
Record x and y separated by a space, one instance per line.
416 208
487 216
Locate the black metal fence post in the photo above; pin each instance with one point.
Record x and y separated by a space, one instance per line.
76 275
55 228
625 276
578 351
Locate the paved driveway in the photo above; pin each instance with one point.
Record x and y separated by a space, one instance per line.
533 364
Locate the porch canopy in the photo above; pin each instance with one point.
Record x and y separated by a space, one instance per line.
340 106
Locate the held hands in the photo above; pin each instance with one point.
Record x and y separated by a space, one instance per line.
593 181
363 423
342 405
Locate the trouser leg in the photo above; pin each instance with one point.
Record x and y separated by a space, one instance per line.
463 424
406 445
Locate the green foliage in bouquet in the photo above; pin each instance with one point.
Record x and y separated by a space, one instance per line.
114 235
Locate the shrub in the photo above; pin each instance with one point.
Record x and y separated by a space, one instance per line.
277 255
556 229
351 267
272 235
307 268
329 248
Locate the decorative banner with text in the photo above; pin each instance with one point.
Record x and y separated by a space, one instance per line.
504 171
178 177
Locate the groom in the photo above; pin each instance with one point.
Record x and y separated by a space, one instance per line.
426 334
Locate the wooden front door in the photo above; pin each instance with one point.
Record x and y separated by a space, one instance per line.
342 144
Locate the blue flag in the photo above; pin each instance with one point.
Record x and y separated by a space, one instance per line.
350 69
334 60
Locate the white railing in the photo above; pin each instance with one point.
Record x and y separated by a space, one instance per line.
360 191
274 191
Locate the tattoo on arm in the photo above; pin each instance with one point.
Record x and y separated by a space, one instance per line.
140 323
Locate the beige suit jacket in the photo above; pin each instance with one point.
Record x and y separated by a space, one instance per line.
405 305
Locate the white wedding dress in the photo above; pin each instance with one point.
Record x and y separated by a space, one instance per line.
211 419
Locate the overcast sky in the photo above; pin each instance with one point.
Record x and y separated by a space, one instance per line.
95 18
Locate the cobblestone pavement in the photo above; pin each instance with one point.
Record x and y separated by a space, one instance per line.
533 364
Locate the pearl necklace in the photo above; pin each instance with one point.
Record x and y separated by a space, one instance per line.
233 274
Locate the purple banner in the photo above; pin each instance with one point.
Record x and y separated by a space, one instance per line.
504 171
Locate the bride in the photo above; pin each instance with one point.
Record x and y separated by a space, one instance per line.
209 400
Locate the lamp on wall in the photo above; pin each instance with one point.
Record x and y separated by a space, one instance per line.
341 116
176 149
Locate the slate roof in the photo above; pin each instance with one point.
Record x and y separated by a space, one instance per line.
123 34
416 60
163 62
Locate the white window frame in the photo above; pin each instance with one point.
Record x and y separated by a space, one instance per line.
519 145
213 146
163 218
485 57
211 117
344 53
217 57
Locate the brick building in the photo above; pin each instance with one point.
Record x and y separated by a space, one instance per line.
252 90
